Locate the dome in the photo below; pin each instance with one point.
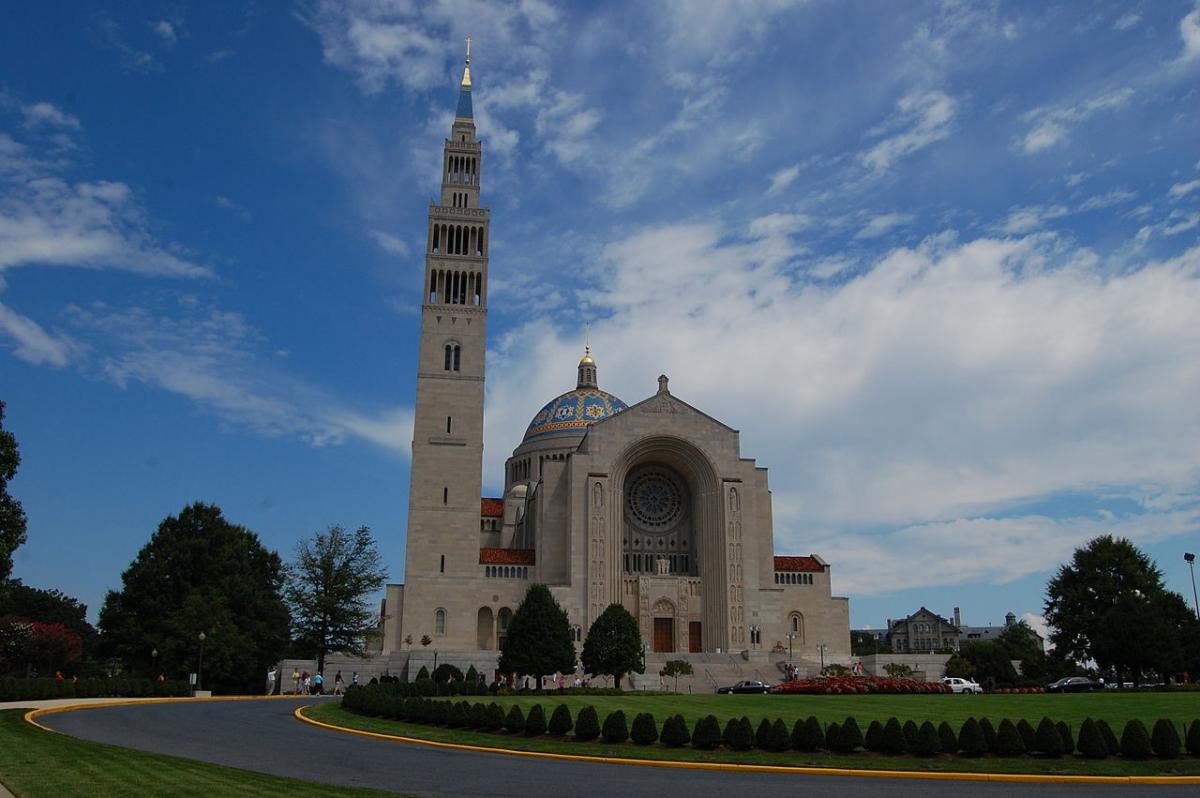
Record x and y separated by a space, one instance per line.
574 412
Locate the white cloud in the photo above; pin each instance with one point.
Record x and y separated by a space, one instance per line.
242 212
1117 196
165 31
882 224
1189 31
1180 222
390 243
1183 189
1032 217
1052 126
782 179
34 344
47 114
1127 21
921 118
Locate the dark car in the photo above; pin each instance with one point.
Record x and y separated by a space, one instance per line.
1074 684
750 686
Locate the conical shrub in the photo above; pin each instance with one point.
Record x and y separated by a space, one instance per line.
851 738
780 740
675 732
911 730
495 717
1028 735
947 739
989 734
971 740
1068 739
893 738
801 739
815 732
535 724
832 732
1091 742
762 736
1165 740
1047 740
1193 738
1008 740
514 721
737 736
928 743
615 729
478 719
560 721
644 730
874 737
707 734
587 725
1135 741
1110 738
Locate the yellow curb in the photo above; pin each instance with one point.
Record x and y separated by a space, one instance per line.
1023 778
31 715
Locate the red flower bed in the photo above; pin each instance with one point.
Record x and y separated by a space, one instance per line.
857 685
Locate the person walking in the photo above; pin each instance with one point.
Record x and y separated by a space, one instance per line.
295 681
318 684
271 681
338 684
306 683
354 678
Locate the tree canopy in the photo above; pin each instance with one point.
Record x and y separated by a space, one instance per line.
1109 605
48 607
199 573
12 516
863 643
328 585
614 645
538 641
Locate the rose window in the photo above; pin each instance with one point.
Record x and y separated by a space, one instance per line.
654 500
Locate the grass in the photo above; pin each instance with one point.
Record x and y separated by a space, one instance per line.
35 763
824 707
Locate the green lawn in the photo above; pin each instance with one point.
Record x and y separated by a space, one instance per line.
1116 708
335 715
35 763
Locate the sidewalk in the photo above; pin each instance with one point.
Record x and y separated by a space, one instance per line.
62 702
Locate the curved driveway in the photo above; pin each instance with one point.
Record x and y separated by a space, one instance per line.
263 736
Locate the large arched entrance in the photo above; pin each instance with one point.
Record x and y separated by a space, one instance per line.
663 623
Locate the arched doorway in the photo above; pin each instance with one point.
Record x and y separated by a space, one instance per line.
663 626
485 630
503 618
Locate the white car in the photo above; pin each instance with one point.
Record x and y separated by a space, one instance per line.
958 685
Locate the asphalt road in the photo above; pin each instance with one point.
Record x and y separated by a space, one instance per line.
263 736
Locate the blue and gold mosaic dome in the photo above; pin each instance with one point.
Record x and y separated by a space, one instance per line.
574 411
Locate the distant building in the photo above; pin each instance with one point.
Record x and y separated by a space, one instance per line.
925 630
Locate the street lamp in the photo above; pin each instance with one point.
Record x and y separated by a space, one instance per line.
200 668
822 647
154 663
790 636
1191 561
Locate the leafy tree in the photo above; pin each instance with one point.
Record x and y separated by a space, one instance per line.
804 737
989 733
1068 739
48 606
990 661
959 666
613 645
911 731
447 673
200 573
852 736
833 734
1110 738
12 516
328 585
539 637
898 670
1028 735
676 668
864 643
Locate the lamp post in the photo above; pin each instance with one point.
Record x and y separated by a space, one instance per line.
822 647
153 663
790 636
200 667
1190 559
435 660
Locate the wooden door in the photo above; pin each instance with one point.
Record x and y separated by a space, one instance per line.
664 634
695 642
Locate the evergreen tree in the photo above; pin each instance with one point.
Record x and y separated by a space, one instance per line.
1068 739
1135 741
893 738
422 674
644 731
560 721
1047 740
535 724
495 717
851 738
971 740
615 730
801 739
675 732
514 722
1193 738
12 516
1008 740
989 733
762 735
911 731
538 641
1165 740
614 645
928 743
733 738
1091 742
874 739
1110 739
815 733
780 740
587 724
948 741
832 734
707 734
1028 735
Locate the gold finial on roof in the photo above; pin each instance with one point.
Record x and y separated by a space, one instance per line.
587 346
466 81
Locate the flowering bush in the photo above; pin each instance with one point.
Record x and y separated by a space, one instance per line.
857 685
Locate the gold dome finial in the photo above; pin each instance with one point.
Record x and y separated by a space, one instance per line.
466 81
587 347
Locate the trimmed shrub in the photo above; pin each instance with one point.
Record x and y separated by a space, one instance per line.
801 739
970 739
440 716
893 738
457 716
762 737
615 729
1110 739
1028 735
1008 740
1165 740
494 721
832 732
947 739
1091 743
707 734
587 725
911 730
737 737
1047 740
535 724
851 738
815 732
644 730
1135 741
1068 739
1193 738
779 740
928 743
675 732
514 721
423 673
472 676
989 733
874 739
560 721
478 716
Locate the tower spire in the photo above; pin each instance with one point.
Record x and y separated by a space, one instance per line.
464 110
466 81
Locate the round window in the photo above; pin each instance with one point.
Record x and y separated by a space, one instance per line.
654 500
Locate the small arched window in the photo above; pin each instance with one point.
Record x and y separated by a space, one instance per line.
439 621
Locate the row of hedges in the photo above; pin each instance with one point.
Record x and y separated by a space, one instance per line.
425 687
14 689
1018 690
975 738
858 685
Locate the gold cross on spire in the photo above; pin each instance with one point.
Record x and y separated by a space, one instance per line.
466 81
587 338
468 51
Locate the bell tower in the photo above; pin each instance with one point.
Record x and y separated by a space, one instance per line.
447 447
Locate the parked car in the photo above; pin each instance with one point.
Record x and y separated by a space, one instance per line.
748 686
1074 684
958 685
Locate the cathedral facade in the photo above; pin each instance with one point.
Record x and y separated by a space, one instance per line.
651 505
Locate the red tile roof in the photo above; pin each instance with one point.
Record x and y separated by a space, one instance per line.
491 508
798 564
507 556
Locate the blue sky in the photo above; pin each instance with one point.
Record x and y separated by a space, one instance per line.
939 262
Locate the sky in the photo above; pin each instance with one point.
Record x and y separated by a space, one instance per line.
939 263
